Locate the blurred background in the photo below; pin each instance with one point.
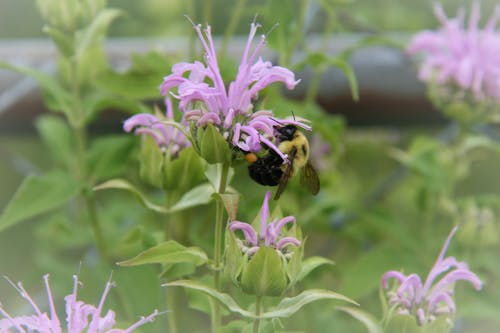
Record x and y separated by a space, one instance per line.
392 103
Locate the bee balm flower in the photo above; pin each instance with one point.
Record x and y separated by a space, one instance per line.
426 301
270 233
204 98
167 137
460 55
79 316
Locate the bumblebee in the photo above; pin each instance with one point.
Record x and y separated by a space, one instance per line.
270 169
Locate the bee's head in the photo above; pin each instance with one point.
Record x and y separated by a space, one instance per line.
285 133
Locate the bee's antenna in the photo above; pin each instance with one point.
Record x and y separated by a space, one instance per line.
278 122
293 115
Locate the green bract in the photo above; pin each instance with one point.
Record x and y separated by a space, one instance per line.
264 274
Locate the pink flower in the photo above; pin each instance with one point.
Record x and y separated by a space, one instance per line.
462 55
167 137
204 99
270 233
434 297
80 317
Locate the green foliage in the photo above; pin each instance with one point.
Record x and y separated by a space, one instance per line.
169 252
37 195
213 147
264 274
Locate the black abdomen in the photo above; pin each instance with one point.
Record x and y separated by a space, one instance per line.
267 170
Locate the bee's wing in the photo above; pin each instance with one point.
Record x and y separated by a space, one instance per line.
287 174
309 178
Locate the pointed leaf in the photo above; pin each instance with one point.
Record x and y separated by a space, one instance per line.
349 73
37 195
223 298
310 264
365 318
169 252
122 184
109 156
200 195
96 30
58 138
56 97
63 41
290 305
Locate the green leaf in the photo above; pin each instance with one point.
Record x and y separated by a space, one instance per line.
140 81
166 253
95 32
200 195
213 147
213 172
37 195
223 298
55 96
365 318
63 42
310 264
290 305
58 137
349 73
109 156
122 184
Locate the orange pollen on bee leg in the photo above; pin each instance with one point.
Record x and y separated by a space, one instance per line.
251 157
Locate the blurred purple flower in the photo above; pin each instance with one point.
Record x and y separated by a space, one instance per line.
167 137
270 233
462 55
79 316
434 297
204 98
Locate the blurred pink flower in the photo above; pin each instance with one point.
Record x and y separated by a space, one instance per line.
204 99
80 317
167 137
462 55
270 233
434 297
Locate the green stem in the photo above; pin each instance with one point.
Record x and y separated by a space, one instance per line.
258 309
77 121
219 217
171 295
314 86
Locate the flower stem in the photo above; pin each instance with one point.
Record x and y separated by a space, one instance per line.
77 120
219 216
258 309
171 294
87 194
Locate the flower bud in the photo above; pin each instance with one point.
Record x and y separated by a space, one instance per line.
264 274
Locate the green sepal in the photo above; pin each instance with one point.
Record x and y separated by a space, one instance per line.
264 274
213 147
182 172
152 161
234 258
408 324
